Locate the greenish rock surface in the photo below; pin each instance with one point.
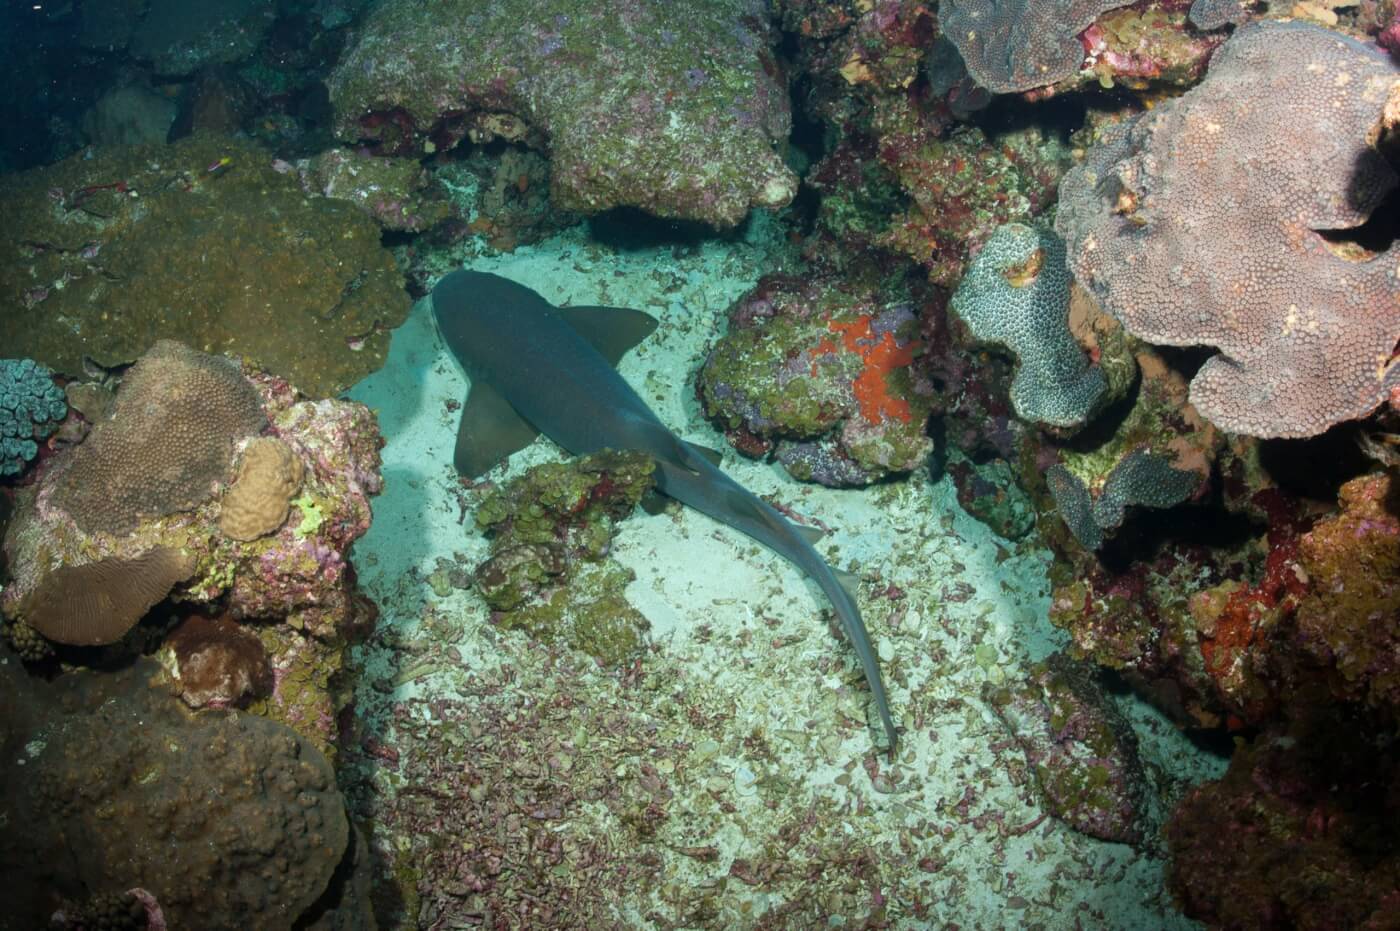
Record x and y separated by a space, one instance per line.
673 108
548 574
101 257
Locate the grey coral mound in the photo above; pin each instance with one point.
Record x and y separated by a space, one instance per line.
1201 221
167 445
1015 45
1016 294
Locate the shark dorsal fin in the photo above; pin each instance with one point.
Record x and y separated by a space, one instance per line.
610 330
490 431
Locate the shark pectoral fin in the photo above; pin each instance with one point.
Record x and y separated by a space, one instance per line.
490 431
713 456
611 330
811 535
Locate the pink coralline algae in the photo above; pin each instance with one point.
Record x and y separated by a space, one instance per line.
1215 220
673 108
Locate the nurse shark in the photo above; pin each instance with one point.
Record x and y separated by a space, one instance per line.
536 368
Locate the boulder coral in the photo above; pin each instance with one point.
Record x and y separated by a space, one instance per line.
229 821
1270 154
257 502
673 108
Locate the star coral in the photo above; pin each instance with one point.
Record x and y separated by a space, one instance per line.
1305 326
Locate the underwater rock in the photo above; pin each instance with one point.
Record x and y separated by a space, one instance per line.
1080 747
1305 324
230 821
821 375
1299 834
671 108
179 38
200 241
395 192
548 573
129 115
990 493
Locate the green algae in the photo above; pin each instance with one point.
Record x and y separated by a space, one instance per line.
548 574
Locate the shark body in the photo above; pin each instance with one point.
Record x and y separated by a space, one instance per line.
536 368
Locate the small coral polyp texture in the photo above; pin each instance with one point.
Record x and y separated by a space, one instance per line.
1206 222
822 376
31 407
674 108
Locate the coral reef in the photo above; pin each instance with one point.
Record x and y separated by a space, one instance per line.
1016 45
1349 620
1016 295
31 408
670 108
256 504
202 241
1305 324
550 532
295 584
228 821
167 444
1080 747
820 374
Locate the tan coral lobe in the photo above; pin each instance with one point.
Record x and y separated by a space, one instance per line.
257 502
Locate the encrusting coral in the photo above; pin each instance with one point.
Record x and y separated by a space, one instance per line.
257 502
1206 221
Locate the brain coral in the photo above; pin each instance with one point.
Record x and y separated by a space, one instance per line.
1015 45
1016 294
31 406
168 443
671 107
231 821
257 501
1201 223
106 252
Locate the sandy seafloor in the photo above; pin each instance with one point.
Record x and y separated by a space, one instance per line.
741 647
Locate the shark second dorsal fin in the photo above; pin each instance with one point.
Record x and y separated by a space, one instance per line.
490 431
610 330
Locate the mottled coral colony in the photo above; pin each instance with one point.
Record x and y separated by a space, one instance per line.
1125 274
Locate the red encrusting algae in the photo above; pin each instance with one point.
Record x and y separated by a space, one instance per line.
881 355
